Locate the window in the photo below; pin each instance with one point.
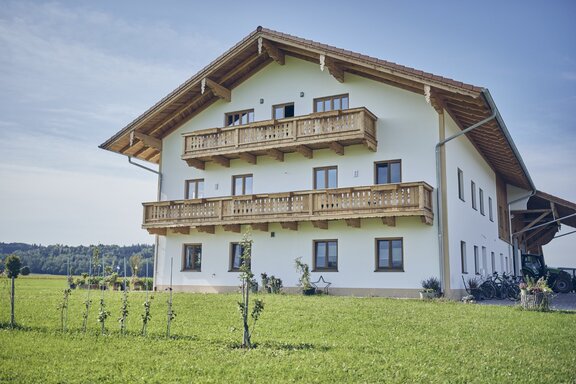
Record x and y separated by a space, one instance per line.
388 172
236 251
490 214
493 261
242 185
282 111
194 189
331 103
476 260
481 197
325 255
239 118
501 262
192 260
389 255
473 192
325 177
463 257
460 184
484 261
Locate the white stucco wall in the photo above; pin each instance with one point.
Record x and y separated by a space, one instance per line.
407 129
464 222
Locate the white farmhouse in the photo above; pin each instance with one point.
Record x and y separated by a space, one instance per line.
376 174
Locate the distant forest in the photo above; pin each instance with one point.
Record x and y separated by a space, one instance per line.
54 259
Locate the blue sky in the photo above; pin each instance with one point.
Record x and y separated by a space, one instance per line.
72 73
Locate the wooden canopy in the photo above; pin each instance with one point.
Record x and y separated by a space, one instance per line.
541 220
466 103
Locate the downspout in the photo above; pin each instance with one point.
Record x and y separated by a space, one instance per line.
157 198
493 107
440 192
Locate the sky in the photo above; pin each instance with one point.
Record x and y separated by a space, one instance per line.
73 73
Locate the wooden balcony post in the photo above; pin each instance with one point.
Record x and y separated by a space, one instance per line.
237 137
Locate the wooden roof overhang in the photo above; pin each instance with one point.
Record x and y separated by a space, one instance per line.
541 220
467 104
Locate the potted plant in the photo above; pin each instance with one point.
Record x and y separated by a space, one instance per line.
474 287
535 296
304 280
430 288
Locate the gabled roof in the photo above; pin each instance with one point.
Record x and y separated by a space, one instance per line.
467 104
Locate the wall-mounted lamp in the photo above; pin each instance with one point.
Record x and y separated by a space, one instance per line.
261 101
301 94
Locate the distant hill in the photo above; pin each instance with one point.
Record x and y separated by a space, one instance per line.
54 259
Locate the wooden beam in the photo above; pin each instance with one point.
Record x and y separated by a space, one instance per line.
148 141
276 154
232 228
427 219
157 231
198 164
260 226
305 151
248 157
206 229
276 54
355 223
218 90
335 69
181 230
292 225
322 224
223 161
337 147
389 221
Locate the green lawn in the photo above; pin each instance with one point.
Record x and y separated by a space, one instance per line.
299 339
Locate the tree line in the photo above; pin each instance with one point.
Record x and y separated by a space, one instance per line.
56 259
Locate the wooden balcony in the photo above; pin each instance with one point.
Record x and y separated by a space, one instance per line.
387 202
303 134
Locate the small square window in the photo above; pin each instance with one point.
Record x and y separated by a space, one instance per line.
194 189
192 259
325 177
387 172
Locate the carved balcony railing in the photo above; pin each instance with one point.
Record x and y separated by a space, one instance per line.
303 134
387 201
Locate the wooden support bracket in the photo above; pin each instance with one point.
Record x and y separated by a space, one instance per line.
427 219
322 224
181 230
276 154
389 221
292 225
218 90
149 141
232 228
276 54
206 229
355 223
334 69
337 147
248 157
223 161
305 151
260 226
157 231
198 164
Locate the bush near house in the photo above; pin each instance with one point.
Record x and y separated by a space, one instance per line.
299 338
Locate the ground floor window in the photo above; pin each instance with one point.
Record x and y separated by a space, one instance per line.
325 255
192 260
236 251
463 261
389 255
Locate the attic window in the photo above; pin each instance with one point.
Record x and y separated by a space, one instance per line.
331 103
239 118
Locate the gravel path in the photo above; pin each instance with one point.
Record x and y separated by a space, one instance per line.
560 301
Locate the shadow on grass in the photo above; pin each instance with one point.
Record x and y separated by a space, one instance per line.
279 346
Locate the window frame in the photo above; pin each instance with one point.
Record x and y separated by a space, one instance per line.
389 162
243 177
481 198
326 178
331 99
463 259
283 106
476 260
231 267
493 261
490 209
389 268
187 184
473 195
315 267
239 113
184 254
461 193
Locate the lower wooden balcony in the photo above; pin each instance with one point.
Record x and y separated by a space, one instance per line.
302 134
387 201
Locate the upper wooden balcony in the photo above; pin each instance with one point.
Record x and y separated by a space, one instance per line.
386 201
303 134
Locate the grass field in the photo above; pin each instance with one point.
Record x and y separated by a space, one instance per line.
299 339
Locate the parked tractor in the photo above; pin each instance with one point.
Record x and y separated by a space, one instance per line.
533 267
